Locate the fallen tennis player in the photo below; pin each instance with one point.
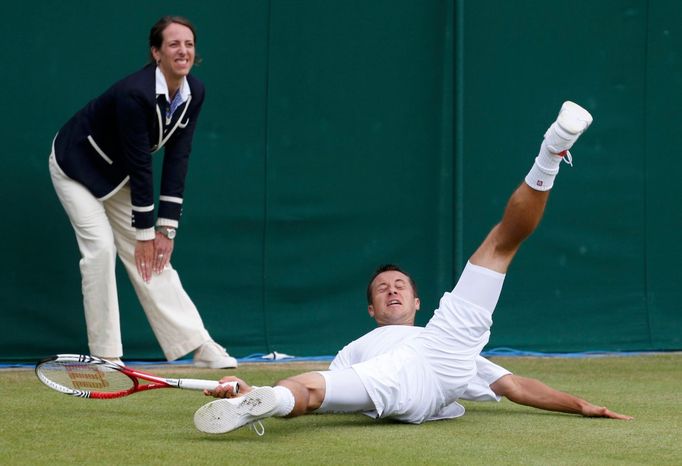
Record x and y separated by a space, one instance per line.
417 374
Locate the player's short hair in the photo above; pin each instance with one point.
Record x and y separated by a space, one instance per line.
389 268
156 33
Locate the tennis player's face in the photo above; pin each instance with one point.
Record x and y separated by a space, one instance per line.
176 55
393 300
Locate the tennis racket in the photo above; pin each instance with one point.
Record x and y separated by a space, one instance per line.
91 377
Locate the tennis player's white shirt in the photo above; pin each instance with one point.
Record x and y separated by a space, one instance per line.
416 374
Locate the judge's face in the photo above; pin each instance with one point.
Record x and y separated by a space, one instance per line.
175 58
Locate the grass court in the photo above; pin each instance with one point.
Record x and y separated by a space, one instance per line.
41 426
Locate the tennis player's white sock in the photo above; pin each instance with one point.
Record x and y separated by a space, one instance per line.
544 170
285 401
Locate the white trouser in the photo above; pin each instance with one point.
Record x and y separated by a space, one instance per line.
103 229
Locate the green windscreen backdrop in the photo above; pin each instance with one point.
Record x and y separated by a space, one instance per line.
339 135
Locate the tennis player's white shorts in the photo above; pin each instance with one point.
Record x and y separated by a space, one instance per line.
418 380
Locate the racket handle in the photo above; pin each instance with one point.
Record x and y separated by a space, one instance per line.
196 384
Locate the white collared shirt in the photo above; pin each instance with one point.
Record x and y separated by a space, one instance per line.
162 89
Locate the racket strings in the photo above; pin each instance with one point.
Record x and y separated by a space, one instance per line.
87 377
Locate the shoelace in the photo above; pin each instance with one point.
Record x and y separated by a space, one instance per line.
568 158
258 428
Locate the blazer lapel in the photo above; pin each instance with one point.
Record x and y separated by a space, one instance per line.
178 123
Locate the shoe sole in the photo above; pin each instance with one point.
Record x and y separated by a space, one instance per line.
573 119
222 416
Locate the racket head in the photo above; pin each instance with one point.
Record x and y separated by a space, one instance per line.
85 376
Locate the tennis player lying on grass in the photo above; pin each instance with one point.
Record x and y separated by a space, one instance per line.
414 374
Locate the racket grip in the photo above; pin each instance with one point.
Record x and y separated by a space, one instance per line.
196 384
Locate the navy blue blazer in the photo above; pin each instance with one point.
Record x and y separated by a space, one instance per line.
111 140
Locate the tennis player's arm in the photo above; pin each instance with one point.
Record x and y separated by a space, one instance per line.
531 392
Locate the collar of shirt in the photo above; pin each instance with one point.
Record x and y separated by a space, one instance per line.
162 89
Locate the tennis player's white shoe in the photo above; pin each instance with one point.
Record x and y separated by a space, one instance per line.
573 120
226 415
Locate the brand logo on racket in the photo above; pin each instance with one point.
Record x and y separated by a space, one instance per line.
86 377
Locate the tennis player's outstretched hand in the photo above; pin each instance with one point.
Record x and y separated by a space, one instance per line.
227 391
531 392
591 410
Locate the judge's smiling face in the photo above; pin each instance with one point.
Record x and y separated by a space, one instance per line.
176 55
392 299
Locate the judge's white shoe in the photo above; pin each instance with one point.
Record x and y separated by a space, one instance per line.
213 356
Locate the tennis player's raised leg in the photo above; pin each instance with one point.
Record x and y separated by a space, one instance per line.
460 327
527 204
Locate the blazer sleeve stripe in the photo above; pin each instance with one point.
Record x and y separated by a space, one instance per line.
148 208
176 200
